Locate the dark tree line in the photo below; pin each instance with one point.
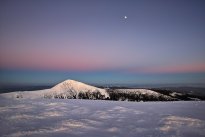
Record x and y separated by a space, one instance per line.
81 95
180 95
91 95
122 95
59 96
132 96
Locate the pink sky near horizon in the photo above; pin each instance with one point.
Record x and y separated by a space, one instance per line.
36 59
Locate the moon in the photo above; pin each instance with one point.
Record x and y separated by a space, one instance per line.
125 17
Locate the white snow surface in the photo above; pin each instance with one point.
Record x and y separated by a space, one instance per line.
100 118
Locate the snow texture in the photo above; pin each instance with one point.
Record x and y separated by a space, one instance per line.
20 117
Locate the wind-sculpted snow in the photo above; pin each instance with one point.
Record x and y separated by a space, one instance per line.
173 123
100 118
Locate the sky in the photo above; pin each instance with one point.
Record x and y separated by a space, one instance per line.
48 41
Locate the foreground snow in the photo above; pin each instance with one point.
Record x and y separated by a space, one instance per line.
95 118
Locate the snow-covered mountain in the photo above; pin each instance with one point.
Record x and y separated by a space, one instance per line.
71 89
65 89
74 89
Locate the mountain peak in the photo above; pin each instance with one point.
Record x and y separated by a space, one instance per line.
69 83
76 87
69 80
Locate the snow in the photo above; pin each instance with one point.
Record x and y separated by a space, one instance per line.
26 94
76 87
140 91
175 94
20 117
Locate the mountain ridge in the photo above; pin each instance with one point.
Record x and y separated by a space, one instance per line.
72 89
